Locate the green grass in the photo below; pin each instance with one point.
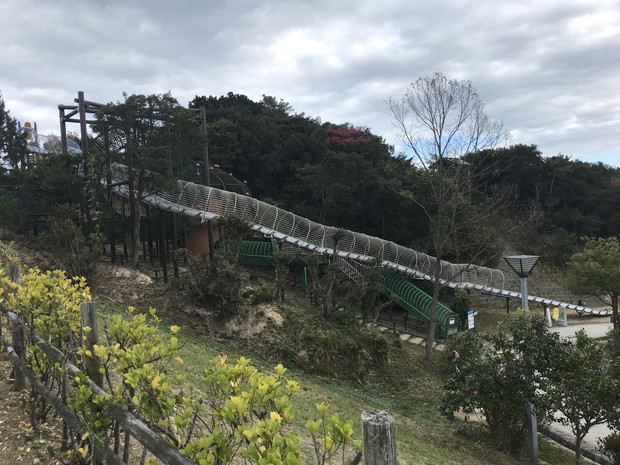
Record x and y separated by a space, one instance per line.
408 386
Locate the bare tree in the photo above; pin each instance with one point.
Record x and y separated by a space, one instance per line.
441 120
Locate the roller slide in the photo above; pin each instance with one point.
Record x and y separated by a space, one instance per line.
208 203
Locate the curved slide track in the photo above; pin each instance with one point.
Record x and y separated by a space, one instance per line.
208 203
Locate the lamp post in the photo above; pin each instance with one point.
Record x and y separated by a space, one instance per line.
523 265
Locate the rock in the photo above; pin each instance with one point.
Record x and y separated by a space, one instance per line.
302 355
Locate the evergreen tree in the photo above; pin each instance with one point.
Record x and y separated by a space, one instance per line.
12 145
154 137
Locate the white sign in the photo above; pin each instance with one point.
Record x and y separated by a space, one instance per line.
470 319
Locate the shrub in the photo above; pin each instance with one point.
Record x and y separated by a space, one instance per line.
216 284
497 374
461 305
610 446
74 251
261 292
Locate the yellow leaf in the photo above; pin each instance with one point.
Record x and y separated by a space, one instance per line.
322 407
85 435
179 359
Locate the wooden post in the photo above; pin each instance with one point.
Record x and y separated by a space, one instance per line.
206 175
88 317
379 437
17 334
175 258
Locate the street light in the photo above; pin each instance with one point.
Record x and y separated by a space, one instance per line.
522 265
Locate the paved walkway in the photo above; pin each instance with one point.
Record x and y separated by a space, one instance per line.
596 330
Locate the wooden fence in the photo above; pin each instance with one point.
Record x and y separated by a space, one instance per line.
378 427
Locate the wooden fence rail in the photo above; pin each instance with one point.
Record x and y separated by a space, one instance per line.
102 454
149 439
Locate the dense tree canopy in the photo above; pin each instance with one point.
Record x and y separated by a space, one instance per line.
596 270
346 176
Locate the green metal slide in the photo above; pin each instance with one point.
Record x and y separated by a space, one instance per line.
253 253
408 296
418 303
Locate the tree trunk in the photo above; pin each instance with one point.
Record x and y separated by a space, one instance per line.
430 339
437 240
578 439
614 308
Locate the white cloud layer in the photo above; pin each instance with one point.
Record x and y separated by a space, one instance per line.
549 70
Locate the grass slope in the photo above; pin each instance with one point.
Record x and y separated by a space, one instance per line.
404 384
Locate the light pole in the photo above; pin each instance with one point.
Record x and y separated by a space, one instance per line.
523 265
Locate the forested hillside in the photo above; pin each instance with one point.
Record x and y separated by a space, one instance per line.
343 175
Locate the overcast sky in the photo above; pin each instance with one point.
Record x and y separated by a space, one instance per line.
550 70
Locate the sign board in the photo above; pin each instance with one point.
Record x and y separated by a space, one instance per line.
562 316
470 319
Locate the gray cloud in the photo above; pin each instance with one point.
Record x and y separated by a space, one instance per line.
547 69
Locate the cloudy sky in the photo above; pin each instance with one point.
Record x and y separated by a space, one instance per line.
550 70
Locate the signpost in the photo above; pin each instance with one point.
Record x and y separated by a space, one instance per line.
470 319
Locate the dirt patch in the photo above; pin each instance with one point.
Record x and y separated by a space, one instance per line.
19 442
254 321
124 285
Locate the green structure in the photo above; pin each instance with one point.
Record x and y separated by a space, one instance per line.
408 296
418 303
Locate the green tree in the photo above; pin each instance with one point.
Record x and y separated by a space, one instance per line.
496 374
12 145
71 249
585 387
331 288
153 136
596 270
440 121
219 282
54 180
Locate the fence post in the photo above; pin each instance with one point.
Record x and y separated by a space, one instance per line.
379 437
88 317
17 334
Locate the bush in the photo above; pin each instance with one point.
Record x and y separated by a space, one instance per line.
613 343
497 374
74 251
610 446
324 348
461 305
260 293
216 284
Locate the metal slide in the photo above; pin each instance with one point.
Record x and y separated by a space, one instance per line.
208 203
418 303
